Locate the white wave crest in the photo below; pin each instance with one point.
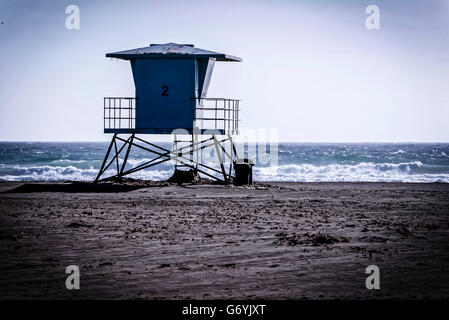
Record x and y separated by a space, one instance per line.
362 172
53 173
48 173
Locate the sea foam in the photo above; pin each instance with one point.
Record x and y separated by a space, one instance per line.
362 172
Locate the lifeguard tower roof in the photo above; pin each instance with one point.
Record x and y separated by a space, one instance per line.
171 50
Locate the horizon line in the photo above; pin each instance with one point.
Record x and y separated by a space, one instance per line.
251 141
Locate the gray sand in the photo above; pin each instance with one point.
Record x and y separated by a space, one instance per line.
273 241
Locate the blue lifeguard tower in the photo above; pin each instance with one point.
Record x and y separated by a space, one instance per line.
171 82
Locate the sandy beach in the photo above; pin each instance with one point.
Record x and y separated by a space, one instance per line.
267 241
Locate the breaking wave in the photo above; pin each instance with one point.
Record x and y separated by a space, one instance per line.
53 173
361 172
299 162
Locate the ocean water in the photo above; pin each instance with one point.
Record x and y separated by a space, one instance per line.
305 162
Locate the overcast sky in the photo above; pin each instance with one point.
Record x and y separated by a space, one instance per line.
311 69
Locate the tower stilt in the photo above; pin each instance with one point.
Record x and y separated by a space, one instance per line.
185 156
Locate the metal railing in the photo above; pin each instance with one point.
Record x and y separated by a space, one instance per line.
211 113
218 114
119 113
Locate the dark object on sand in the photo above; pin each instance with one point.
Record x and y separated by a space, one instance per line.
185 176
243 172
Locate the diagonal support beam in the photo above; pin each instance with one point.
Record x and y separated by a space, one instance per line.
105 159
116 156
164 155
130 143
117 153
223 171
